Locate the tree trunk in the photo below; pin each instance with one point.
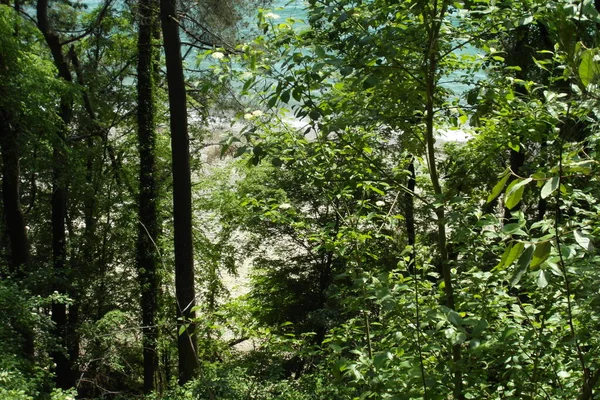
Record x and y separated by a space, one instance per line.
431 64
13 215
182 198
147 257
64 377
11 202
409 212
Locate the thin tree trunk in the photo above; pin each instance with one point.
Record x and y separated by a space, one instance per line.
182 198
409 201
64 377
147 257
436 18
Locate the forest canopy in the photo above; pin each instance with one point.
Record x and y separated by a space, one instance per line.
330 199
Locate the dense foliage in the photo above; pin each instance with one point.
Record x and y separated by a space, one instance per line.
389 200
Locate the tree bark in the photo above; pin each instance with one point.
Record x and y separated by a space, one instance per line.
13 215
64 377
16 230
182 198
148 229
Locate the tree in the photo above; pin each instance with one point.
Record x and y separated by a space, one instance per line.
147 251
11 176
182 194
64 375
13 128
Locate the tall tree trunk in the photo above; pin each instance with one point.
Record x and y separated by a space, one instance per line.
64 377
147 257
182 194
11 201
409 212
13 215
435 19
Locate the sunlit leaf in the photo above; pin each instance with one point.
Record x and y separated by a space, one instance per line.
550 186
541 280
515 252
514 192
587 68
583 240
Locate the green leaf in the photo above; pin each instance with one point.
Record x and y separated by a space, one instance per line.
498 188
314 114
459 338
272 101
522 265
510 228
517 184
455 318
550 186
370 82
240 151
541 280
342 17
285 96
583 240
525 20
380 360
587 67
514 192
510 255
508 332
502 262
515 252
541 253
346 70
539 176
297 94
